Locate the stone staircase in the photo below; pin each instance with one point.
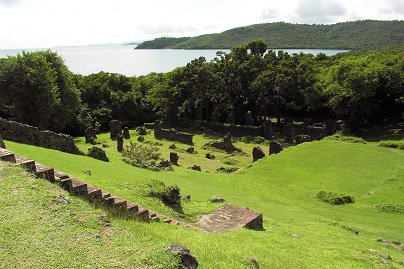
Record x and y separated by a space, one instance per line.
87 191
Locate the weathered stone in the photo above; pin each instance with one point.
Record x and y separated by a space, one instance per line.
170 134
116 129
119 144
174 158
217 199
257 153
90 136
98 153
289 132
190 150
196 168
173 146
317 132
22 133
141 130
248 119
267 128
2 145
302 139
187 260
172 196
126 133
225 145
165 165
275 147
210 156
140 138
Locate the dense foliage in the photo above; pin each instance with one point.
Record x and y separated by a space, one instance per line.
249 84
358 35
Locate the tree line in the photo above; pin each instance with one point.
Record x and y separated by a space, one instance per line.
367 88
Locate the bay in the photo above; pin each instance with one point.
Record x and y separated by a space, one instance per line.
124 59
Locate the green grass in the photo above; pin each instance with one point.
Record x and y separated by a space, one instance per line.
283 187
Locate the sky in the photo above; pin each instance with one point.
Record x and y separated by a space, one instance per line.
51 23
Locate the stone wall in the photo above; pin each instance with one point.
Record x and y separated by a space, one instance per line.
22 133
224 128
171 134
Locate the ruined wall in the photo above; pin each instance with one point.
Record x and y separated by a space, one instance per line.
224 128
22 133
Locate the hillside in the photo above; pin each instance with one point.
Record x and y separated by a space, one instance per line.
300 231
358 35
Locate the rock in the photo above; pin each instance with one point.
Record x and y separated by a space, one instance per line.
187 197
140 138
125 133
2 145
302 139
172 196
267 128
289 132
172 146
90 136
116 129
141 130
191 150
248 119
210 156
97 153
317 132
225 145
187 260
196 168
60 200
119 144
275 147
257 153
253 264
166 165
216 199
174 158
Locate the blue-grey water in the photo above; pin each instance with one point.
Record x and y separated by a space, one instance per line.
124 59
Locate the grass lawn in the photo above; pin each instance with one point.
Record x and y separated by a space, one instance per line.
300 230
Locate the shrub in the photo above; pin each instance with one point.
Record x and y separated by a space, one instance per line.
253 139
227 170
390 208
392 144
137 154
335 198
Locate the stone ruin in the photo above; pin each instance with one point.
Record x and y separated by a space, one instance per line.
302 139
126 133
267 129
191 150
230 217
195 168
317 132
174 158
225 145
2 145
257 154
119 143
210 156
172 135
141 130
188 261
22 133
98 153
90 136
275 147
116 129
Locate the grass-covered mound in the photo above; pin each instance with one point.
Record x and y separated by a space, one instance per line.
335 198
392 144
298 229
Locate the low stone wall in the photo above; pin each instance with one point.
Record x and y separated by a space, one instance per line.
171 134
224 128
22 133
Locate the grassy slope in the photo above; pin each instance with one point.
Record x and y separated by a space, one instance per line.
36 232
282 187
357 35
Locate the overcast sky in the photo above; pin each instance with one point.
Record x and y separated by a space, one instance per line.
49 23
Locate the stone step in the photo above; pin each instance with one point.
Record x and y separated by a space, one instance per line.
45 173
105 195
132 209
168 221
120 204
8 156
28 165
78 188
143 213
94 193
152 214
155 218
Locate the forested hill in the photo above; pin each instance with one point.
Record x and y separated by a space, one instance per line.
358 35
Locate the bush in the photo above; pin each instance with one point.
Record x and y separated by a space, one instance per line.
392 144
335 198
137 154
252 139
390 208
227 170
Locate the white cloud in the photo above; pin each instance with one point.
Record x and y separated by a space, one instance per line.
47 23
